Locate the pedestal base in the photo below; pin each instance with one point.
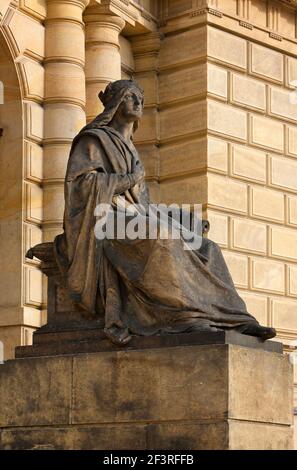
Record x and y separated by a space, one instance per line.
90 339
211 396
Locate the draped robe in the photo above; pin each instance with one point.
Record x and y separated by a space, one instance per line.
149 286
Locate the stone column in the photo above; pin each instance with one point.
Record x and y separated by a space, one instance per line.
103 59
64 101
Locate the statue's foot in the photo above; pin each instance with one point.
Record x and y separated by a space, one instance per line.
118 336
254 329
204 328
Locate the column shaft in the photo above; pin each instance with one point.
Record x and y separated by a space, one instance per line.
64 101
103 59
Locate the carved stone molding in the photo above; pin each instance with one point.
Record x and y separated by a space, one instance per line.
3 8
292 3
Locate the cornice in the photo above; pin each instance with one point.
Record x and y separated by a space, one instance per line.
292 3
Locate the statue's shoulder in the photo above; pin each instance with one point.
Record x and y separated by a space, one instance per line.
85 134
95 132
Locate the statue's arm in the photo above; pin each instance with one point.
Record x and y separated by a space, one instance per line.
129 180
88 150
125 182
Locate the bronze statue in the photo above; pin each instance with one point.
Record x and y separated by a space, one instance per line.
142 286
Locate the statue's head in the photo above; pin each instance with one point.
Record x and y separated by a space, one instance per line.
123 98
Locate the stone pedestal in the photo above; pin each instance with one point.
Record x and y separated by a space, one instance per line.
174 393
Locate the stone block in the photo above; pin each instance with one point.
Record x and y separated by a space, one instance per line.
266 132
32 236
226 193
286 22
198 436
155 397
282 105
34 202
244 435
211 396
283 243
243 399
58 44
268 275
182 120
149 155
217 154
28 34
51 232
11 258
65 80
176 7
228 7
226 47
111 437
4 7
33 158
248 92
187 190
292 210
248 163
217 81
63 121
55 161
267 204
33 125
284 315
170 436
32 286
258 13
248 235
292 280
226 120
266 63
257 305
10 337
108 65
34 79
50 341
238 267
178 48
283 173
35 392
181 158
218 227
190 81
34 7
291 71
127 57
53 203
154 192
150 83
292 141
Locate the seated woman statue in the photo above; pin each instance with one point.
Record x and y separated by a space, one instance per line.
139 286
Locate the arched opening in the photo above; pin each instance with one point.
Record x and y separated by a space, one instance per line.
11 177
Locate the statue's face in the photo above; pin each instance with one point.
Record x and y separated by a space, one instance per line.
131 107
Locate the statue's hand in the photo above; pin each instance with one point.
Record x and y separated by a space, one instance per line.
138 173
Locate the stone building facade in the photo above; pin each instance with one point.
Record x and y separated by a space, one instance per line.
219 128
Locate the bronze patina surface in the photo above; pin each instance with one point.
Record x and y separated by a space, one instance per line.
139 287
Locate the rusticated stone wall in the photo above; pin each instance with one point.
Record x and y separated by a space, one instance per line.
21 153
228 139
